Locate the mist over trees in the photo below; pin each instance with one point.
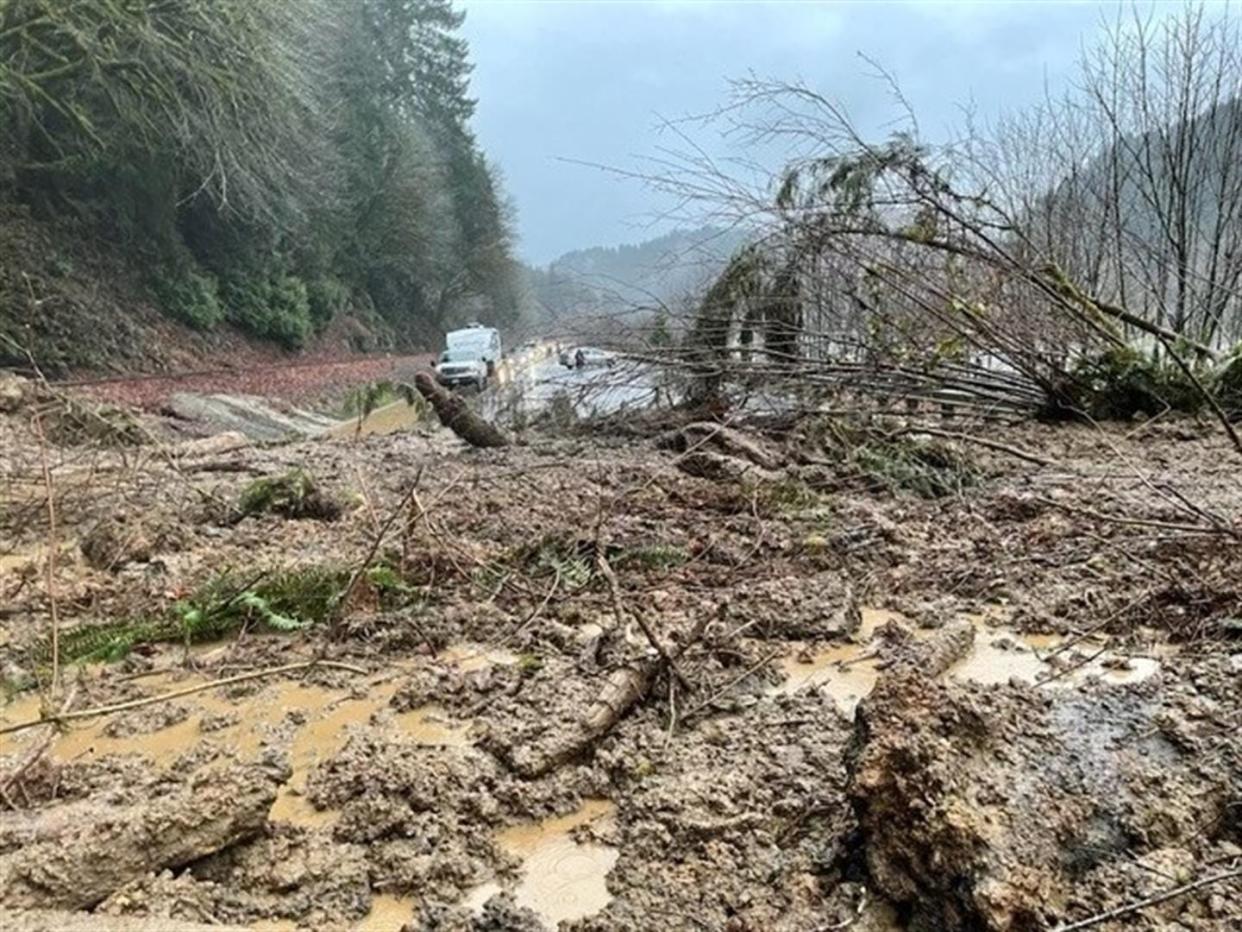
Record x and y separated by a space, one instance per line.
658 274
1080 257
268 164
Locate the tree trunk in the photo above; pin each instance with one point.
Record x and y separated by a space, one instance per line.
77 858
456 415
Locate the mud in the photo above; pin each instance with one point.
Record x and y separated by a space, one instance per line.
1081 753
998 809
998 654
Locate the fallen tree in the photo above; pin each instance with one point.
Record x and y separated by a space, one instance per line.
456 415
74 857
624 688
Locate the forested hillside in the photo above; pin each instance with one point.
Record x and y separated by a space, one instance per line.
277 169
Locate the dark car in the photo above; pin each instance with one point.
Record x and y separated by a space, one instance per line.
587 357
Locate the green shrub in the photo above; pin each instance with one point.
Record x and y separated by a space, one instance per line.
274 307
191 298
651 557
287 600
292 495
1122 382
326 297
928 468
363 399
284 601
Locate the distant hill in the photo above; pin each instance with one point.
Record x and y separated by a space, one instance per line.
667 270
1155 223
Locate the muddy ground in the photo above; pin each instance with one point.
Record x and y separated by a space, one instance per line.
1007 701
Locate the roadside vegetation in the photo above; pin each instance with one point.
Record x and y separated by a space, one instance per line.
1079 259
272 167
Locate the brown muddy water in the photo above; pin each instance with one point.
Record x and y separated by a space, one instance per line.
561 878
563 868
241 725
848 672
389 419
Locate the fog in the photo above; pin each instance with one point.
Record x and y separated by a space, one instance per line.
560 83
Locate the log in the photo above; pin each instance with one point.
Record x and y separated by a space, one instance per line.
77 860
701 434
47 920
456 415
938 653
623 689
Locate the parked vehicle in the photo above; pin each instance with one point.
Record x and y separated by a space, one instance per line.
460 367
587 357
475 340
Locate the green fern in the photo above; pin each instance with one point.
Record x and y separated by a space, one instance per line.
270 617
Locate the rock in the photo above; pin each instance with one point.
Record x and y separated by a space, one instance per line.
78 854
703 464
256 418
121 539
14 390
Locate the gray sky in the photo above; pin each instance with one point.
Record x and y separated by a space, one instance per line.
589 80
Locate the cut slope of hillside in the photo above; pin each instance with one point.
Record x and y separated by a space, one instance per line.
76 304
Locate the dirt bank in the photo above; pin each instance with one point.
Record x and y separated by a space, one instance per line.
801 762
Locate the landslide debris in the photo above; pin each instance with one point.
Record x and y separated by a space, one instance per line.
486 631
1007 807
294 494
73 859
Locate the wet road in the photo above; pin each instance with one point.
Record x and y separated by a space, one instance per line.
590 391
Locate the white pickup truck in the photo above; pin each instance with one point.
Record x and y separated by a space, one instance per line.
470 357
457 368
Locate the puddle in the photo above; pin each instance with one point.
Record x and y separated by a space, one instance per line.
316 741
17 563
470 657
560 879
329 717
843 671
1000 655
91 741
431 726
848 672
389 419
388 914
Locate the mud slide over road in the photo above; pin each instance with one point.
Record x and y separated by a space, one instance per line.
868 689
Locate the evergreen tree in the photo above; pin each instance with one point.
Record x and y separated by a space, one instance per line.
275 162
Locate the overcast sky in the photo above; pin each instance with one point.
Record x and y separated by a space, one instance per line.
589 80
